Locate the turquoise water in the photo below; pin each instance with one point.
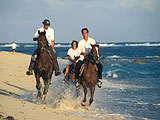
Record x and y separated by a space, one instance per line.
131 78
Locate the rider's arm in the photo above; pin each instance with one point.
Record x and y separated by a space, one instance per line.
36 34
70 59
53 46
52 36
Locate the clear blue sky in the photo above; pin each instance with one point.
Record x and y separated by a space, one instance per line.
107 20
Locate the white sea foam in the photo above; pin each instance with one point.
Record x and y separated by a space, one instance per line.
128 44
61 45
122 85
114 56
143 44
28 45
115 75
152 56
145 103
7 45
112 74
108 45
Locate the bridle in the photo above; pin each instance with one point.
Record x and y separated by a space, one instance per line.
92 57
41 49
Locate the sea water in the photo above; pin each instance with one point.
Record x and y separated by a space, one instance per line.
131 81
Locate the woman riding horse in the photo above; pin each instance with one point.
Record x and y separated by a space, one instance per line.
72 55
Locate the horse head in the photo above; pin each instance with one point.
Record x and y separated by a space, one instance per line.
42 41
75 59
95 53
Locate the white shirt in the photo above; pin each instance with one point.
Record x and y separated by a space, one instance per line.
13 45
72 53
49 34
86 47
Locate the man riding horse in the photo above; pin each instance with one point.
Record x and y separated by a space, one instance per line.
50 38
84 48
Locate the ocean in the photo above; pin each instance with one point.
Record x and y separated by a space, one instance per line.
131 80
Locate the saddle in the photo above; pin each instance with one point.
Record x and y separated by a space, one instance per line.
82 69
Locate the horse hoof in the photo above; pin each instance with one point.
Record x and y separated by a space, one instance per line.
83 103
38 97
43 97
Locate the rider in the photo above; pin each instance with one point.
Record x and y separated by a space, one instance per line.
50 39
71 54
84 47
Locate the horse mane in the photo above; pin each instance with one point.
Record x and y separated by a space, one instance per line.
89 58
43 34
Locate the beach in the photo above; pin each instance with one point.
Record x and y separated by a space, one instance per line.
15 85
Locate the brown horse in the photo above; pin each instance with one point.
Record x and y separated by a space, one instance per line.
43 66
89 75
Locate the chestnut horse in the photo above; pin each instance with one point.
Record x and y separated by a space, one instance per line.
43 66
89 76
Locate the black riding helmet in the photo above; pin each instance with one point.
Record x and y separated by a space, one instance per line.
46 22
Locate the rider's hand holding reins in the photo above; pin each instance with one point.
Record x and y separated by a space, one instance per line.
83 53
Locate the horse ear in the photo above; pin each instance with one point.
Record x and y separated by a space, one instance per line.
39 32
91 45
97 45
44 32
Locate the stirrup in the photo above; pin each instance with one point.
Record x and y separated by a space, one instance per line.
77 83
64 81
57 73
99 84
29 72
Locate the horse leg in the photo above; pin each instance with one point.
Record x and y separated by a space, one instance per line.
83 103
46 86
92 89
38 85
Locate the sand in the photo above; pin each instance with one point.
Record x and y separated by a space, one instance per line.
14 83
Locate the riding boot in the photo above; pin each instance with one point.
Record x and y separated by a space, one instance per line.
77 83
30 69
32 63
77 72
64 81
100 68
55 62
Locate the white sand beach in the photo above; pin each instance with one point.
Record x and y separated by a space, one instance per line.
14 84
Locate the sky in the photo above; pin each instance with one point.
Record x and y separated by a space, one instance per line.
107 20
